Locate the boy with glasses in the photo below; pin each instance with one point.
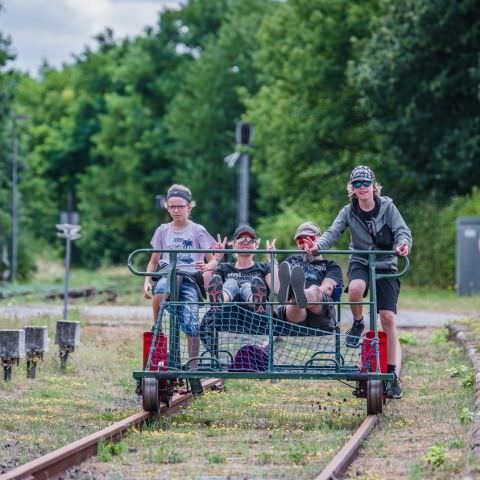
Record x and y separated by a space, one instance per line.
307 279
375 224
242 281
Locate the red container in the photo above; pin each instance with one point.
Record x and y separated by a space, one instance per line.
159 355
369 358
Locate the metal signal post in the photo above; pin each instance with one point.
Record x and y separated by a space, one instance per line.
69 232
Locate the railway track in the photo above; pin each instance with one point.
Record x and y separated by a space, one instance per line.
53 464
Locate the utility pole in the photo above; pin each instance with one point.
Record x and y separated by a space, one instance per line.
15 202
244 134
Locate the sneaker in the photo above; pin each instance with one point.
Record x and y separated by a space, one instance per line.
259 295
196 387
284 277
354 334
297 281
396 388
215 292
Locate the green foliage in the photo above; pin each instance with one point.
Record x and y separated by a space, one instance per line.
106 451
328 84
440 337
217 458
434 233
466 416
436 455
299 454
408 339
202 116
310 130
418 77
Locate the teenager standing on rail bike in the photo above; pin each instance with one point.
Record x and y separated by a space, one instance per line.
181 234
375 224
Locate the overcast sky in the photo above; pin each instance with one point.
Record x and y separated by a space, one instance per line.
54 29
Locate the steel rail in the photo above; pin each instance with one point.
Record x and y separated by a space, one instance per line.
338 465
54 463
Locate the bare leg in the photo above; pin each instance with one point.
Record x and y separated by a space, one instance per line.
296 314
156 301
394 351
356 289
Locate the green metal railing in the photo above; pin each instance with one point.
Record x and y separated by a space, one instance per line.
313 367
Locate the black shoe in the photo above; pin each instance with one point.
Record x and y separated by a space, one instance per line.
259 295
215 292
354 334
196 387
297 281
396 388
284 277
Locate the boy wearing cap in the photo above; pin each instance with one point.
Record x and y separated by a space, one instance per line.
308 279
245 280
375 224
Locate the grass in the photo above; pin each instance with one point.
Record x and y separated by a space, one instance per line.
440 300
430 426
39 415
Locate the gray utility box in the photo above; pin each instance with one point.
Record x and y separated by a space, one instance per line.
68 334
468 255
36 339
12 344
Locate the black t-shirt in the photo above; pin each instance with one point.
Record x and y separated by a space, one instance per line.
317 270
367 217
242 275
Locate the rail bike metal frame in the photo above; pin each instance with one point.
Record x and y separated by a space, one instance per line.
209 366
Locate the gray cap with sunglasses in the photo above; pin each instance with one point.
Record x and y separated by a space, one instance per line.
307 229
362 173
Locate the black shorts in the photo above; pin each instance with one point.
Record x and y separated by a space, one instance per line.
388 289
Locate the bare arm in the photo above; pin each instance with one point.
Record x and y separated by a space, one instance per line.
151 267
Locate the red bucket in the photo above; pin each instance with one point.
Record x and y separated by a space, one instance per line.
159 355
369 358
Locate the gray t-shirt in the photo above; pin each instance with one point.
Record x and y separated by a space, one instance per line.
193 236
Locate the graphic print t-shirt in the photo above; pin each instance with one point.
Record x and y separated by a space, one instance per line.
316 270
242 275
193 236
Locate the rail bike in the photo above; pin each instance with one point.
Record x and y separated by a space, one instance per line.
234 342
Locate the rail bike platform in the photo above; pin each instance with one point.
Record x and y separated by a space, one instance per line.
232 341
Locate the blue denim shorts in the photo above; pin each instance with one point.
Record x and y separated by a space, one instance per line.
187 314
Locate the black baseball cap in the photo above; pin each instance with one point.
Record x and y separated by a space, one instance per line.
244 229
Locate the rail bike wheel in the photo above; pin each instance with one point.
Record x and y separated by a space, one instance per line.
151 400
374 397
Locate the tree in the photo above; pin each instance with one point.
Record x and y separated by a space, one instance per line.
419 80
310 129
203 114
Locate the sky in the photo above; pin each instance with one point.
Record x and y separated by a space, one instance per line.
55 29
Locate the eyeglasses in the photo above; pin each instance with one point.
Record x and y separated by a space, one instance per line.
177 207
361 183
246 240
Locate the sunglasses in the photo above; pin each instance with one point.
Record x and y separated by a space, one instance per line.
302 238
246 240
361 183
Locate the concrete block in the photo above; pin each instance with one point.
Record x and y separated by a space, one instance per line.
36 339
68 333
12 343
